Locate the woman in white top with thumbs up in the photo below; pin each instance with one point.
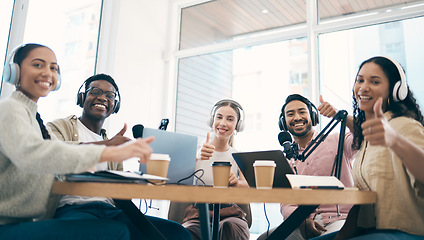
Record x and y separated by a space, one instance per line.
227 118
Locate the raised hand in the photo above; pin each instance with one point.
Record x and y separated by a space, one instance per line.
119 138
326 109
207 149
377 131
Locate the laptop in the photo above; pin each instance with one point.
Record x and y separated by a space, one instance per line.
245 162
182 151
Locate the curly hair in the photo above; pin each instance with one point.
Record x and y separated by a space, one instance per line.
407 107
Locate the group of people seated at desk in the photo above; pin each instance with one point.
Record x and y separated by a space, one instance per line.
385 146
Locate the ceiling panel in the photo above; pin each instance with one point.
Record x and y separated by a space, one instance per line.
222 20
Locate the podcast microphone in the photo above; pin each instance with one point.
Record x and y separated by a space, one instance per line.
138 131
163 124
289 149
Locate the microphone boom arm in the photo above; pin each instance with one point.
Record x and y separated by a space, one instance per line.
339 117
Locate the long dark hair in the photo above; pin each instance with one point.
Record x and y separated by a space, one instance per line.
407 107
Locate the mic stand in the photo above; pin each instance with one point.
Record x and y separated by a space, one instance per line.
303 211
339 117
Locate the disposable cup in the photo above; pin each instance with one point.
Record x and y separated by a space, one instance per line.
264 173
158 165
221 174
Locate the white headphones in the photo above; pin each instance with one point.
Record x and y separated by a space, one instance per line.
11 71
240 122
400 90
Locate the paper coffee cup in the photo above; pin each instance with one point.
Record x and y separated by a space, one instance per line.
264 173
158 165
221 174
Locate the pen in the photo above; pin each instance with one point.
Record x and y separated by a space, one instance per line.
322 187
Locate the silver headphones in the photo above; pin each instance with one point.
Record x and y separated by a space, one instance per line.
240 122
11 70
400 90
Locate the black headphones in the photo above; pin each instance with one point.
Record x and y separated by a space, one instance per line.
82 95
11 70
240 121
313 111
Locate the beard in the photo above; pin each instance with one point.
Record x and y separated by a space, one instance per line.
303 133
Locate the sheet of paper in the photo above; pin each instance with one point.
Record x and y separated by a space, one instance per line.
305 181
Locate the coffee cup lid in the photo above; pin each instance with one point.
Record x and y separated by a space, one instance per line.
258 163
221 163
160 156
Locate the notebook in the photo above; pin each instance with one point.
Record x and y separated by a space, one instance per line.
181 149
111 176
245 162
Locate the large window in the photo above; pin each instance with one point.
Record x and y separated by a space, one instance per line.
342 52
71 29
6 7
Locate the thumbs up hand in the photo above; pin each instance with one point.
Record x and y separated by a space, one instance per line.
326 109
207 149
119 138
377 131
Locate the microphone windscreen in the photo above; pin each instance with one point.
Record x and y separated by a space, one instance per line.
138 131
284 137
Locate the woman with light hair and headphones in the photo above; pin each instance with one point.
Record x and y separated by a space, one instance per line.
30 155
389 134
226 118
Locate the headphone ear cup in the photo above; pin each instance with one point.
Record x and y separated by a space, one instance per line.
314 118
282 123
11 73
400 91
209 122
59 82
240 126
80 99
117 106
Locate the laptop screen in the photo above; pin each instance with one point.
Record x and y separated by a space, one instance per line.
245 162
181 148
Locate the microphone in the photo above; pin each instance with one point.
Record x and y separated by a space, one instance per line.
138 131
289 149
163 124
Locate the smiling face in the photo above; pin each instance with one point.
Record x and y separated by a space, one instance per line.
371 83
38 73
99 107
298 118
225 121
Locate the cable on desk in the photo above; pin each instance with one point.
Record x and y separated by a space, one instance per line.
194 174
199 178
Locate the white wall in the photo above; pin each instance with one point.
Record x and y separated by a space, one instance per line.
138 66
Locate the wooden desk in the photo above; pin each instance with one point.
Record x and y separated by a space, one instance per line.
307 198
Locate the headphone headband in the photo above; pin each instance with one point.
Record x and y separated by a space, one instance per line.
240 120
81 96
313 113
11 70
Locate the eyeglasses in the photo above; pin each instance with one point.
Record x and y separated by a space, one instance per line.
97 92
